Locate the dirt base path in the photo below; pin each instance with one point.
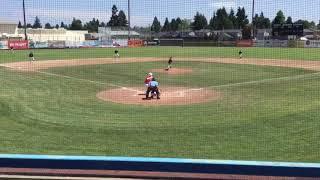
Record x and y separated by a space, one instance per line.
39 65
169 96
173 71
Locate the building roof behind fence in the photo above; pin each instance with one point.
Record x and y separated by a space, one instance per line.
48 31
123 33
6 21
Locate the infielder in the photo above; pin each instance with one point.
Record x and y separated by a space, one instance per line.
116 54
240 54
169 64
31 56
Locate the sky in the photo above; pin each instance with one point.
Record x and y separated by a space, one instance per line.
143 11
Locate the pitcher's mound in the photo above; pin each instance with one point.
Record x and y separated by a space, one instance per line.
169 96
173 71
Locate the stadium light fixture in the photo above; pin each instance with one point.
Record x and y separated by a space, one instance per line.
252 21
129 20
24 20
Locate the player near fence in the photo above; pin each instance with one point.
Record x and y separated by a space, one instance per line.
11 49
31 56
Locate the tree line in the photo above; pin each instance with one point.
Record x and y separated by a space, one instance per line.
220 20
117 19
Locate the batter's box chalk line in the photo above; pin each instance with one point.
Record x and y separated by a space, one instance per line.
133 90
179 94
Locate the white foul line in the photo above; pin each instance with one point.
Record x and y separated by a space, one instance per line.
265 80
134 90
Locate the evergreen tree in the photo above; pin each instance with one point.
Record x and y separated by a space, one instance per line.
76 24
47 26
261 22
199 22
184 25
166 26
102 24
212 22
92 26
37 23
19 24
222 20
289 20
62 25
233 18
156 26
114 20
122 19
173 25
241 18
280 18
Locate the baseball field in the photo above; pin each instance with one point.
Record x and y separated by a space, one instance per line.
213 105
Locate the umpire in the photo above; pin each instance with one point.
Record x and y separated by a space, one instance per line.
153 88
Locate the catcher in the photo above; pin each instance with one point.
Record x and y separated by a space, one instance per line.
148 79
153 88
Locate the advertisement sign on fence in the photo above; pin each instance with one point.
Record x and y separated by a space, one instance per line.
280 43
312 44
18 44
4 45
135 43
90 44
258 43
38 45
270 43
73 44
120 43
244 43
106 43
56 44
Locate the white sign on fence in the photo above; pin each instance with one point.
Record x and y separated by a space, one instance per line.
312 44
4 45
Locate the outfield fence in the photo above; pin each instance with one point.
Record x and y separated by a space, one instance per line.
22 44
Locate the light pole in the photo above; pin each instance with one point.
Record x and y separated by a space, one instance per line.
129 20
253 25
24 21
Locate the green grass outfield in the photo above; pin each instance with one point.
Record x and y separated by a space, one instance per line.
274 118
268 53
